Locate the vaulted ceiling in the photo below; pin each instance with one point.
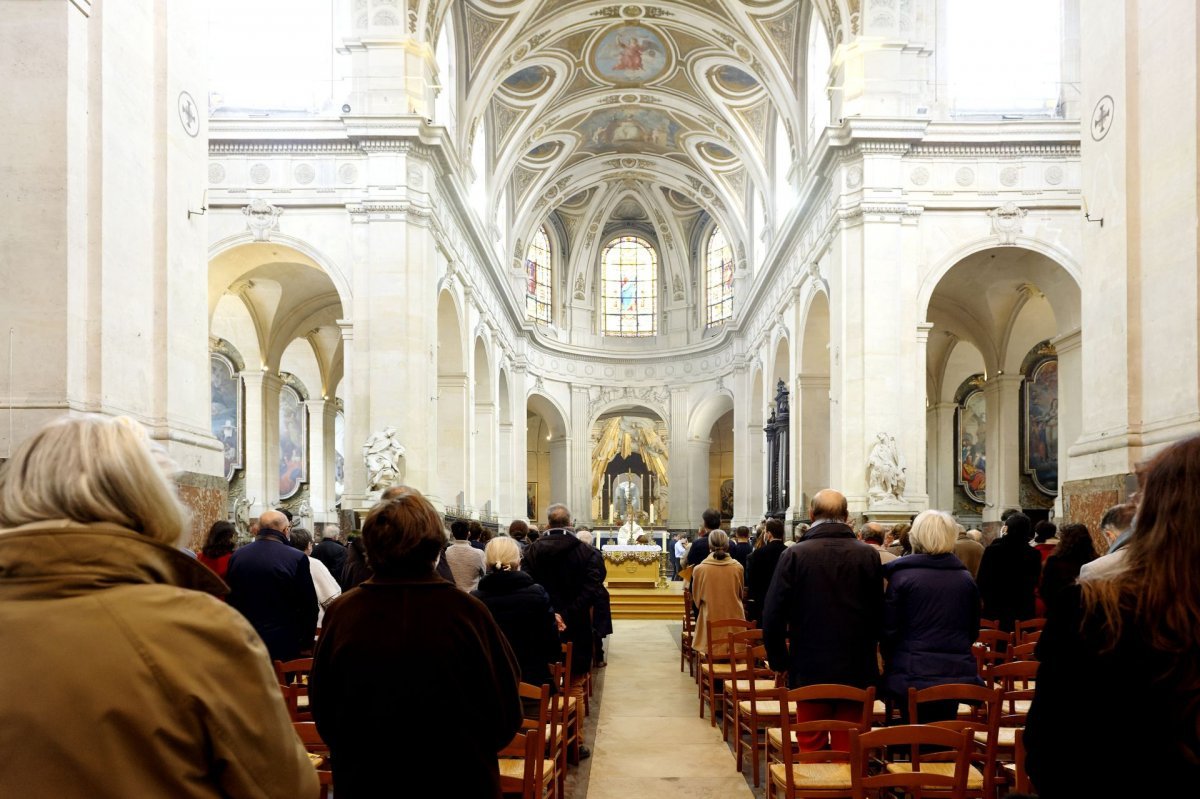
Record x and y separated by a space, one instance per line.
659 115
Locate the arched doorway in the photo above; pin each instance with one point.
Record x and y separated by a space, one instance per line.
548 452
484 495
1000 312
452 446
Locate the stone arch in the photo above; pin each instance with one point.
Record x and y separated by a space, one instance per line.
484 432
452 443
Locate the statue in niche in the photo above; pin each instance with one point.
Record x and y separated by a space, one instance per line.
383 454
627 496
885 471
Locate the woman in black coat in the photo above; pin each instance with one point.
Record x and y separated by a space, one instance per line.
930 618
521 609
1008 575
760 567
412 678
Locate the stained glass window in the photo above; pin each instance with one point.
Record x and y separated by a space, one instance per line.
630 287
537 278
718 279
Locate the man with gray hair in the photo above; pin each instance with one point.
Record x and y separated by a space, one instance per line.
968 550
331 551
574 578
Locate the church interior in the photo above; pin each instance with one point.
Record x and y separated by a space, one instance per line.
640 259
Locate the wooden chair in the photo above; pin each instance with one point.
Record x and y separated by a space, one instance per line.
739 645
318 753
996 640
1016 770
752 690
522 767
293 684
556 733
568 705
580 683
1015 680
1028 627
686 653
547 722
715 663
824 773
989 624
979 717
943 772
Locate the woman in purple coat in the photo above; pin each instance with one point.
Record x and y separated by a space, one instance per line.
930 618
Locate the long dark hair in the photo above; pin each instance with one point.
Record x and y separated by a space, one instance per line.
1075 544
1157 593
220 540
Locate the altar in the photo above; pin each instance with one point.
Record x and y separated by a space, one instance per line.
631 565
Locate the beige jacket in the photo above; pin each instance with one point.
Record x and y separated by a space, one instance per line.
123 678
717 592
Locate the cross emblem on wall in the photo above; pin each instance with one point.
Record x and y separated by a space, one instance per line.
189 116
1102 117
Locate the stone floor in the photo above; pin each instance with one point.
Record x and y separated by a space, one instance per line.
649 739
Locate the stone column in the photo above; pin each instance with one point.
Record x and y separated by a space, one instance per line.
561 485
321 459
519 477
485 434
393 71
811 417
686 508
1069 347
1002 396
579 494
687 477
453 443
917 489
507 475
262 440
940 460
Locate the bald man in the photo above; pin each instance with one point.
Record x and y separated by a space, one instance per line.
270 583
826 601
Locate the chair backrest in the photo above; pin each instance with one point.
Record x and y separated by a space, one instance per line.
989 624
823 692
307 732
293 671
718 637
688 621
747 665
1026 651
1014 680
997 640
524 746
950 745
568 652
1027 627
985 717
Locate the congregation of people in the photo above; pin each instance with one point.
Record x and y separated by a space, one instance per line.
137 669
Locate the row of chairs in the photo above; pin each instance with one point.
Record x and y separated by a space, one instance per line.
528 769
733 679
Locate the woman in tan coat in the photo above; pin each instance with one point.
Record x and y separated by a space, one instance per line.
124 675
716 588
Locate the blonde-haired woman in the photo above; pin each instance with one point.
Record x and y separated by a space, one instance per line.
521 609
930 617
123 650
716 588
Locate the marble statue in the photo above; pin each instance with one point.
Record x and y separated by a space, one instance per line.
885 471
382 454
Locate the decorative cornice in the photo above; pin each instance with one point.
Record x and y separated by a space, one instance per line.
1063 150
217 148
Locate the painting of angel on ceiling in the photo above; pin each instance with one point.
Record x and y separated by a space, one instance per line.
630 54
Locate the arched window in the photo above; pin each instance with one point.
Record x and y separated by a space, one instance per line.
718 278
630 287
537 278
817 89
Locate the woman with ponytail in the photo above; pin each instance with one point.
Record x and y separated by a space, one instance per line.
521 609
716 588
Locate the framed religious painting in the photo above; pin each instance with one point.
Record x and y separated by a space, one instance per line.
1040 423
226 387
293 442
339 455
531 500
971 442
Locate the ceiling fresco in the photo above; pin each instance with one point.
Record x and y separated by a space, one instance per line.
593 107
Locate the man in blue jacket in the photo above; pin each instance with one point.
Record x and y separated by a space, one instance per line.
271 585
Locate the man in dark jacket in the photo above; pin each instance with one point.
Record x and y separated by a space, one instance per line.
741 547
574 579
826 600
270 583
760 568
699 550
1008 574
332 552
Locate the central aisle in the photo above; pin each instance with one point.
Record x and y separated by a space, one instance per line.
650 740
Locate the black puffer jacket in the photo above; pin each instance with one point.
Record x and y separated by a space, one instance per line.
522 610
564 566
